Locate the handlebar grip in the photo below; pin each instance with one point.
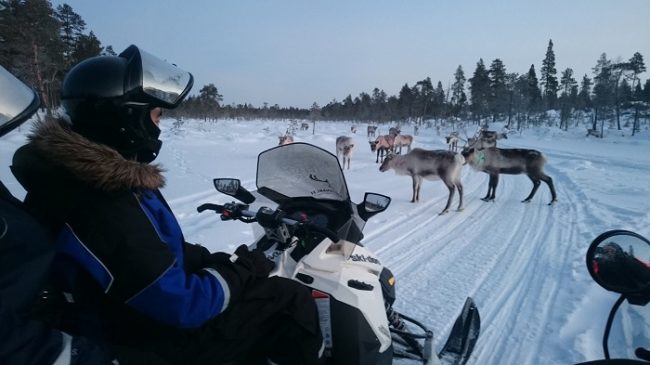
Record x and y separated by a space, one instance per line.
209 206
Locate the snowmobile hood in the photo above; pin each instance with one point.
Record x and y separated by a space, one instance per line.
55 150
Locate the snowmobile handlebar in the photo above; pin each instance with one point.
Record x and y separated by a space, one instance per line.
209 206
266 217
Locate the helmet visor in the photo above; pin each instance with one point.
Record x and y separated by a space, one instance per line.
17 101
163 81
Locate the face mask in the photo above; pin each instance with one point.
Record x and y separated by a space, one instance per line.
151 145
140 138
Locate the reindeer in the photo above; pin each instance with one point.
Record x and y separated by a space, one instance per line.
344 146
431 165
393 131
513 161
593 132
383 145
416 129
372 130
353 129
452 141
484 139
492 136
286 139
403 140
304 126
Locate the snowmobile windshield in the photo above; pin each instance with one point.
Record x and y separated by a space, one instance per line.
300 170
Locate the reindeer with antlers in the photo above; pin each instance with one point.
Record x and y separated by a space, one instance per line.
494 161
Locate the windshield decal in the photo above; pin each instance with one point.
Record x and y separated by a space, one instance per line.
315 178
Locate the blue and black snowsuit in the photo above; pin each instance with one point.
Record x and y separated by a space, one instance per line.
130 276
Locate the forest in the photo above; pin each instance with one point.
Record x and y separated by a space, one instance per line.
40 43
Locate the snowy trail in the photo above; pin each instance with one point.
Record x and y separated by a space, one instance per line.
518 273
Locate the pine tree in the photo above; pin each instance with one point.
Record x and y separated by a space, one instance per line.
72 28
584 96
637 67
364 106
458 96
549 79
405 102
603 89
533 93
646 91
87 46
378 104
33 53
438 100
498 100
479 85
209 99
423 93
108 51
568 86
625 92
513 99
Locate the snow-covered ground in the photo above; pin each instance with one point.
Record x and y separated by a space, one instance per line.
522 263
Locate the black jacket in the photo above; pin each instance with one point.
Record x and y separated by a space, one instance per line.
120 251
26 251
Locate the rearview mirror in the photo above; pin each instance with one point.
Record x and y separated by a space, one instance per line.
372 204
619 261
232 187
375 203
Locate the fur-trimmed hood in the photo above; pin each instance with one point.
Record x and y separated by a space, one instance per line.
95 164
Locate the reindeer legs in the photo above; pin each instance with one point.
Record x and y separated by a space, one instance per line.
547 179
492 187
452 189
460 195
536 183
417 183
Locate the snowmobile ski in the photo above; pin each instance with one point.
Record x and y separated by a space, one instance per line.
463 336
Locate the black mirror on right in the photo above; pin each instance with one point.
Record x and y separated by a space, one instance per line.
619 261
233 188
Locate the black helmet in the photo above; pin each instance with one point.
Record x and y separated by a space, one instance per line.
109 99
17 102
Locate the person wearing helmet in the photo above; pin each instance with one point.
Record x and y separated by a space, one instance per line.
26 252
122 260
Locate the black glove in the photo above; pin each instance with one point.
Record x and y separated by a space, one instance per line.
255 261
241 269
195 257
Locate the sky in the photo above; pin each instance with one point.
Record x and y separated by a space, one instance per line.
523 264
295 53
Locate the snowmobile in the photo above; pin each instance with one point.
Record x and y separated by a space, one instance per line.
313 233
617 261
